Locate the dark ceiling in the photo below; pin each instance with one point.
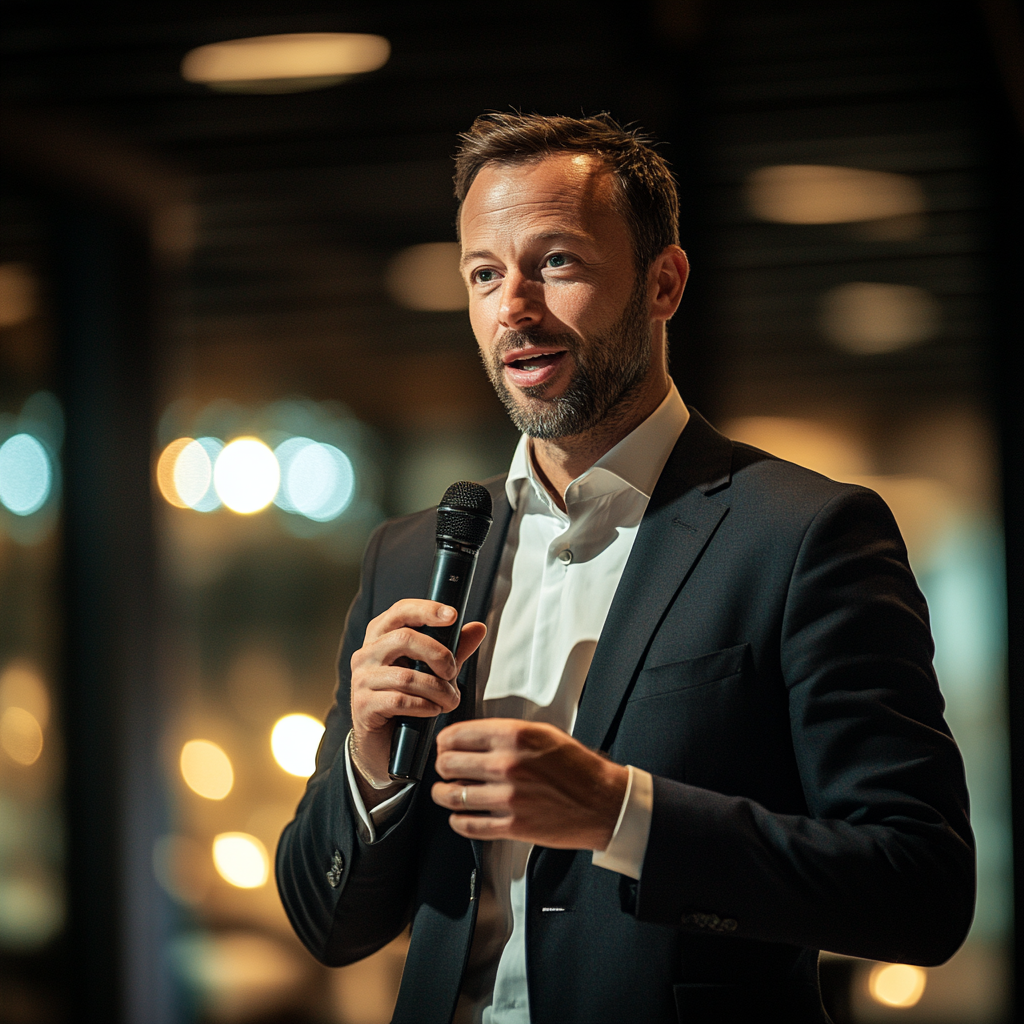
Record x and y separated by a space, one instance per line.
303 198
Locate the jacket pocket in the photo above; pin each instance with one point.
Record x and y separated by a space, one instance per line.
672 676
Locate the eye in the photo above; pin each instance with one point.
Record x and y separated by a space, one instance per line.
557 260
484 276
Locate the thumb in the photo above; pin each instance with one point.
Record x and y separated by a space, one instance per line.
469 640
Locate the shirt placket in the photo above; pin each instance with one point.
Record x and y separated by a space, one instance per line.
546 649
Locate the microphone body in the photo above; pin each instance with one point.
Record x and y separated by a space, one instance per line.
463 519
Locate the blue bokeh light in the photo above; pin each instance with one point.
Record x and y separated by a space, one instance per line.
317 479
26 477
209 500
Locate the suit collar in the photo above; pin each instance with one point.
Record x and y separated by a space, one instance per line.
680 521
635 462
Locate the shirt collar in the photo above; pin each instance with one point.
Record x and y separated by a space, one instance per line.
636 461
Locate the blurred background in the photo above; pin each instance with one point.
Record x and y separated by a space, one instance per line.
233 340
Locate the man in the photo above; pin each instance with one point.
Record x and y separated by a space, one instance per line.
701 739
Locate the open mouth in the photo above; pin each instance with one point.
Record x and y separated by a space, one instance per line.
528 368
534 362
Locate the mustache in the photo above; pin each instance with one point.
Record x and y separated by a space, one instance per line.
512 341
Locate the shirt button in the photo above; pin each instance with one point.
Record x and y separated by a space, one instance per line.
565 557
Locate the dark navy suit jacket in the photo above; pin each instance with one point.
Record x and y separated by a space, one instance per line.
767 657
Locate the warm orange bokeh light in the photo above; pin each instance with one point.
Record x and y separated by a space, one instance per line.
207 769
165 471
241 860
899 985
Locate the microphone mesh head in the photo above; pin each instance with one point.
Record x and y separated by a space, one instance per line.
464 514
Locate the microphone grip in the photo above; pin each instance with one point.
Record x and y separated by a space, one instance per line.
450 580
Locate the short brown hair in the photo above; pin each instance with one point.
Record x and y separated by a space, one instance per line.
649 201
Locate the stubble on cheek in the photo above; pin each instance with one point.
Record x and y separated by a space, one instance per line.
603 374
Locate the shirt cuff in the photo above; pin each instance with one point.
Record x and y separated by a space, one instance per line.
628 845
369 820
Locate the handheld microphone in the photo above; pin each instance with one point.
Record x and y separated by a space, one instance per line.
463 519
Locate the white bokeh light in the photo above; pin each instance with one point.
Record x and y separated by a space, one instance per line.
206 769
317 480
241 860
246 475
294 741
193 474
899 985
25 475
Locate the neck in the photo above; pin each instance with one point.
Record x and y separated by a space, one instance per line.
561 460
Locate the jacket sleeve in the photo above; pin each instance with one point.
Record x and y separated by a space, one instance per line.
881 865
345 898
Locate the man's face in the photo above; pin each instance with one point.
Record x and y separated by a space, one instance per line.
562 322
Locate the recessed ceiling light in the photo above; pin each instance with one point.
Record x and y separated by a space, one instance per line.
870 318
295 62
816 194
427 277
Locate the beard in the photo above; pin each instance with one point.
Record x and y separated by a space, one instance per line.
606 371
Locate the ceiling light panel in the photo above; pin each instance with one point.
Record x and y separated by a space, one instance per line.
285 63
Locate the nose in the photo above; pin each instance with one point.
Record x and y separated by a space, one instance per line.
521 303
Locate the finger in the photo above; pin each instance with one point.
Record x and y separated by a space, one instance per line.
481 826
470 638
409 612
398 686
406 642
385 705
479 798
478 734
480 766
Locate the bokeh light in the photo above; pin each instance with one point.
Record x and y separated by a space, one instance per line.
22 686
294 741
241 860
246 475
21 736
820 194
25 474
193 473
18 294
206 769
869 318
288 62
183 867
899 985
241 975
165 469
317 480
427 277
31 908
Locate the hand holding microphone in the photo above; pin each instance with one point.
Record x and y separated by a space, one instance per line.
395 703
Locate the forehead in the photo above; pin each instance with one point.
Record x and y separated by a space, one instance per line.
563 191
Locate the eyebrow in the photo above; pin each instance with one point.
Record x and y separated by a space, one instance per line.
475 254
545 236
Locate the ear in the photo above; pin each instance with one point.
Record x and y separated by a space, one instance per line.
668 275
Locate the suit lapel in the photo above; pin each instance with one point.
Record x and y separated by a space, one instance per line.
680 520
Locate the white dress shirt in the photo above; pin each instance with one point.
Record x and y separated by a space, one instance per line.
556 579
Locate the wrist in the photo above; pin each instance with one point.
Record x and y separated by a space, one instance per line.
614 783
364 773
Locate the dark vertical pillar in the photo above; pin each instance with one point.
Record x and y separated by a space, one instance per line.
117 914
999 113
680 47
1009 388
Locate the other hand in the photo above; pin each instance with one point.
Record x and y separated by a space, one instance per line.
534 781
